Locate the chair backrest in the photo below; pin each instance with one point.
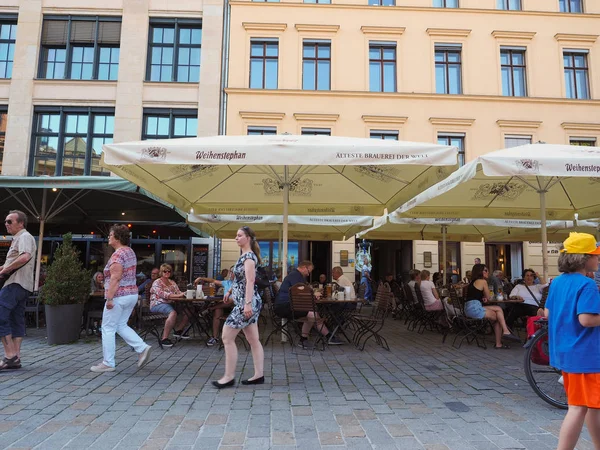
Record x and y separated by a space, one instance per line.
302 298
362 289
382 302
419 295
545 292
458 302
408 294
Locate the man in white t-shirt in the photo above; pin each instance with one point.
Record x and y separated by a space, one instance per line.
342 280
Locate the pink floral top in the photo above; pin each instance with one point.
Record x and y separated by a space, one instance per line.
126 257
159 292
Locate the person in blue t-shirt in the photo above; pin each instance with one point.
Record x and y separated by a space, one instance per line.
573 311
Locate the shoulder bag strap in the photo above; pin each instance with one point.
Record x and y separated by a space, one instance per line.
533 296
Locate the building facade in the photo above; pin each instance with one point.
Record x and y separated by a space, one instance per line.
478 74
77 74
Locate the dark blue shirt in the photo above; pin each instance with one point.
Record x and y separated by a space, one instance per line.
573 347
293 278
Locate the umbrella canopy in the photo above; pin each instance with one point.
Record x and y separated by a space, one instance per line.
246 174
394 226
80 200
315 228
537 181
298 175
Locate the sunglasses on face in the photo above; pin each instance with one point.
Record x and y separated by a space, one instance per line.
8 222
166 271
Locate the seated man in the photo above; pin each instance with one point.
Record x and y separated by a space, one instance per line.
323 279
283 307
342 280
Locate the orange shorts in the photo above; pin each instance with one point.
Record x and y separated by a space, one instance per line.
583 389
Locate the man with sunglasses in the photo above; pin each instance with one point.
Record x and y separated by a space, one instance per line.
18 273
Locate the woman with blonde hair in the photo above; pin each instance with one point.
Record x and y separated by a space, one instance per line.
162 293
244 316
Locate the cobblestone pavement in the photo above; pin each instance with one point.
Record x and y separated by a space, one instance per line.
421 395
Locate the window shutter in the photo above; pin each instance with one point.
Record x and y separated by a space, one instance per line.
55 32
83 32
109 33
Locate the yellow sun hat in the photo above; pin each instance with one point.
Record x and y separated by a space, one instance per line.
581 243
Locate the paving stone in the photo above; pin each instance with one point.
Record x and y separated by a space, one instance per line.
420 395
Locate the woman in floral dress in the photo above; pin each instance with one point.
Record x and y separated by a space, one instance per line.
246 309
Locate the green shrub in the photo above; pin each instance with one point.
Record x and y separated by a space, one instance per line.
67 282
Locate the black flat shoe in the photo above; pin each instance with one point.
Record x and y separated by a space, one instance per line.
260 380
223 385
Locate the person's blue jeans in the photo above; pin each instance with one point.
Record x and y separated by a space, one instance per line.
12 310
115 321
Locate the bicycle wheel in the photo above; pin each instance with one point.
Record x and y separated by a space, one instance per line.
543 378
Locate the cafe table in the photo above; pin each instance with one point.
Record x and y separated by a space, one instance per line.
337 313
194 308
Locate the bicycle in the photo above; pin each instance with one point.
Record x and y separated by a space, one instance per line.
542 377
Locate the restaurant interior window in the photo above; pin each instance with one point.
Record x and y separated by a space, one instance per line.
457 140
177 257
169 123
583 141
262 131
316 65
80 48
3 120
384 134
382 67
515 141
174 50
8 35
577 81
68 141
264 64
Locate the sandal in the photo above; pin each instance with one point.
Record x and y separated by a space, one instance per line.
503 347
12 363
511 337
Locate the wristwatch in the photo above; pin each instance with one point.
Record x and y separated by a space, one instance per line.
249 303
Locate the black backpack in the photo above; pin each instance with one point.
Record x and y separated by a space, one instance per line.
262 278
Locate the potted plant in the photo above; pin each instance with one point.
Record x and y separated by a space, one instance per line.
64 293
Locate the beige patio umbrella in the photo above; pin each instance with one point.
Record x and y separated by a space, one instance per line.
314 228
537 181
282 174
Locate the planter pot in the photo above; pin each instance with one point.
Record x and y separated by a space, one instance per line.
63 323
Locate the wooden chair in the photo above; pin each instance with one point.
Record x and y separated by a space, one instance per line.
302 301
149 322
276 321
427 319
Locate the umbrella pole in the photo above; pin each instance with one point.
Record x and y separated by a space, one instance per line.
38 262
284 246
444 256
286 200
544 235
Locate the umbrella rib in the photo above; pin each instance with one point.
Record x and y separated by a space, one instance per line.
355 184
160 182
216 185
33 210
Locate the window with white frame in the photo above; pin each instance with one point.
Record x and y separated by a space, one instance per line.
386 135
445 3
262 131
583 141
316 132
516 140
